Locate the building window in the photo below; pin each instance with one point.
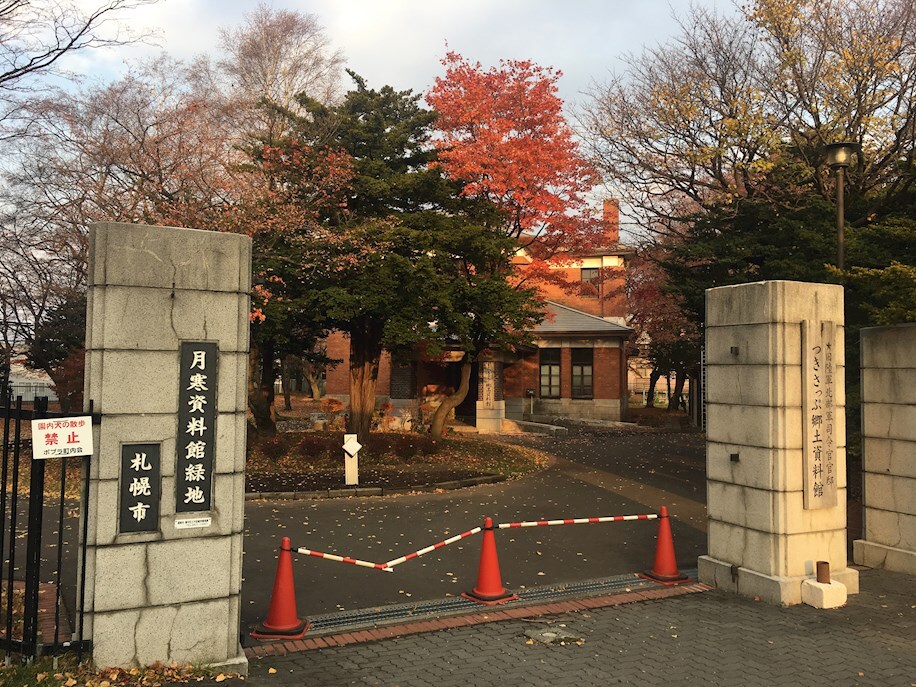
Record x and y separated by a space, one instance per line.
550 372
582 364
589 287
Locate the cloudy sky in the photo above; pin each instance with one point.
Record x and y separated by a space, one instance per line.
400 42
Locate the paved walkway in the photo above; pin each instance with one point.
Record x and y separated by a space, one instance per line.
706 638
710 638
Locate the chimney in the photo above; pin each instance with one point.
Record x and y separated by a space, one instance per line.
611 221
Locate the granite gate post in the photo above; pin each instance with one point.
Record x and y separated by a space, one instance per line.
889 448
776 438
166 364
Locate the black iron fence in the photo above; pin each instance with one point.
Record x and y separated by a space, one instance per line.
29 391
42 540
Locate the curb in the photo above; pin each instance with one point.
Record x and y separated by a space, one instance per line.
282 648
373 491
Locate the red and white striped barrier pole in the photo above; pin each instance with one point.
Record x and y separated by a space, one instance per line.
428 549
576 521
388 567
344 559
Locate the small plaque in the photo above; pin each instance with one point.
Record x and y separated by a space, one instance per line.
140 488
61 437
196 426
192 523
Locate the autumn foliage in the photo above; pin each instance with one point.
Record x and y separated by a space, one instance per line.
503 134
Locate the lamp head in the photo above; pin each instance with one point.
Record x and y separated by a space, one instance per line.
840 154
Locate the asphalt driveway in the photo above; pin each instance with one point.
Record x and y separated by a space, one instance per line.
597 473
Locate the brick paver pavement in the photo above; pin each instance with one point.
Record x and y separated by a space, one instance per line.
712 638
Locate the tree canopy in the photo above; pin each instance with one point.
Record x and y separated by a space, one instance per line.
717 140
503 134
400 254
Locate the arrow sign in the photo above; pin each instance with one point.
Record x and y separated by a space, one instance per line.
351 461
351 445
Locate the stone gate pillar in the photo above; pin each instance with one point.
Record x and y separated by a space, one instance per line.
166 363
889 448
776 438
491 406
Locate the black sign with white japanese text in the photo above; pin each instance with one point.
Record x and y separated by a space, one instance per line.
196 426
140 488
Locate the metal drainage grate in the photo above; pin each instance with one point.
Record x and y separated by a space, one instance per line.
346 621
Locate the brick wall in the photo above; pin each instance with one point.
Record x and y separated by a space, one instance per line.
607 373
521 376
552 292
613 295
609 302
565 372
337 378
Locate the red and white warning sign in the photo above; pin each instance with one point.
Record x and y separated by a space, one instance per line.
62 436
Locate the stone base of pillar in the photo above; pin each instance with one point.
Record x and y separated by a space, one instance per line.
237 665
490 420
779 591
875 555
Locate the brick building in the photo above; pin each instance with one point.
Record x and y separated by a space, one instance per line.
575 368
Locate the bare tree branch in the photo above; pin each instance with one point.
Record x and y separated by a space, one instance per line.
36 34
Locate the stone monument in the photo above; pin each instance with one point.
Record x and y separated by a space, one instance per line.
166 364
776 438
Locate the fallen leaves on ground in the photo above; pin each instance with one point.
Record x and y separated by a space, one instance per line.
43 674
304 461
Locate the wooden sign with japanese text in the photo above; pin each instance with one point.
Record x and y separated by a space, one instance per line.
487 393
819 414
140 488
196 426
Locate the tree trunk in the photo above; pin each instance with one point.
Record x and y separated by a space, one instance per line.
674 400
453 401
654 376
285 375
261 388
365 352
311 376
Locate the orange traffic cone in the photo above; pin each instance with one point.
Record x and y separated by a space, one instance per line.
665 568
489 589
282 621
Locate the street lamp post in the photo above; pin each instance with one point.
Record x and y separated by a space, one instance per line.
839 157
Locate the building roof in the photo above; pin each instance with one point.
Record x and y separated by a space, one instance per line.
619 249
562 320
615 248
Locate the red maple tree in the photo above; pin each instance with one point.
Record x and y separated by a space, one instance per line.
503 134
